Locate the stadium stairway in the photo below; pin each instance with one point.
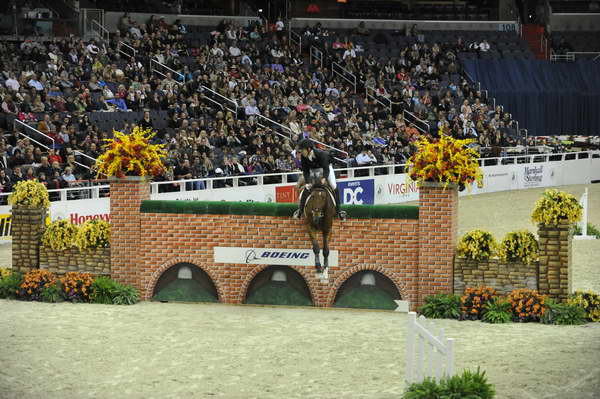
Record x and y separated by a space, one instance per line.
533 35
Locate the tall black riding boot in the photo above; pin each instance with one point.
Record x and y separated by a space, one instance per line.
340 214
299 214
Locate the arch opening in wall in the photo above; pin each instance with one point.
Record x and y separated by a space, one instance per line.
278 285
367 289
185 282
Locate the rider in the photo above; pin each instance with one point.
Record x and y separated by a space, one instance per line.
313 159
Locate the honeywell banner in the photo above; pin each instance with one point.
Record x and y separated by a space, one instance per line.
270 256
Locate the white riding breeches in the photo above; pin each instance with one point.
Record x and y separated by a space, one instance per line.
330 176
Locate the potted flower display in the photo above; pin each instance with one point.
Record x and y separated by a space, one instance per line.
131 155
446 162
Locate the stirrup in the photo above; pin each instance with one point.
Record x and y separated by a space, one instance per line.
297 214
342 215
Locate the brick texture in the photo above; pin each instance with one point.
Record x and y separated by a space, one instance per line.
384 245
125 199
438 223
27 230
555 261
502 276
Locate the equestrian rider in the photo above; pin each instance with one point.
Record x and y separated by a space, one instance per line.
313 159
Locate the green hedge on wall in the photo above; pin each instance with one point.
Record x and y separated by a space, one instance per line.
273 209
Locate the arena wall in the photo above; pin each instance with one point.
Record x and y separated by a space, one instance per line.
416 253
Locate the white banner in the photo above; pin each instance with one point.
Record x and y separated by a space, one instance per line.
270 256
245 194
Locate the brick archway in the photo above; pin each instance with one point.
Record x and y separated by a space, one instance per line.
155 276
402 288
259 268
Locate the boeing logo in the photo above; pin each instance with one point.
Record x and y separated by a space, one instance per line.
251 255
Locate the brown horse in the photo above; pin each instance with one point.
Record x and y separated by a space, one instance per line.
318 217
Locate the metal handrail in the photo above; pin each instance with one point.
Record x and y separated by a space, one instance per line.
182 76
297 41
316 53
37 131
102 29
276 123
416 120
234 102
134 51
378 98
351 81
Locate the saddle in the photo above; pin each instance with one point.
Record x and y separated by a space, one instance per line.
325 187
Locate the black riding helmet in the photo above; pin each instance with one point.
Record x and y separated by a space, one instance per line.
306 144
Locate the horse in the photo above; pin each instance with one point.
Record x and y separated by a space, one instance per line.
319 213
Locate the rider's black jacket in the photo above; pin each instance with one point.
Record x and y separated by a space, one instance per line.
321 159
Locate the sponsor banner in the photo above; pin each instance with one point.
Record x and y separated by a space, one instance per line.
535 175
269 256
395 189
357 192
244 194
286 194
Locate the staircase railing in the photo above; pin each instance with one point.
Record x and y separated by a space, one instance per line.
100 30
419 123
155 65
131 51
295 39
383 101
316 54
219 99
344 74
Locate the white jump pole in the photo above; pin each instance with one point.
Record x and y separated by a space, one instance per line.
583 224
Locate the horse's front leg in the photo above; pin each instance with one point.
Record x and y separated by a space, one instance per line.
326 238
316 250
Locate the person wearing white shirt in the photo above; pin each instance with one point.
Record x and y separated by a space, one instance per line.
332 91
92 48
349 53
279 25
234 50
484 46
12 83
252 109
246 60
33 82
365 158
217 51
68 176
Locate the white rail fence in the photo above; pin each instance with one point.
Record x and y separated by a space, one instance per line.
428 353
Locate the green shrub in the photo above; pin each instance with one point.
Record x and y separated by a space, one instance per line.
9 285
591 230
497 312
563 313
107 291
126 295
469 385
52 294
441 306
101 290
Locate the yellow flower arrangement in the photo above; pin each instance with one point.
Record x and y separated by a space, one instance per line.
59 235
477 244
29 193
589 301
93 234
555 207
445 161
519 245
131 155
5 272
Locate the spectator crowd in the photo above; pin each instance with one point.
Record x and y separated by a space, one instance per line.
277 98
